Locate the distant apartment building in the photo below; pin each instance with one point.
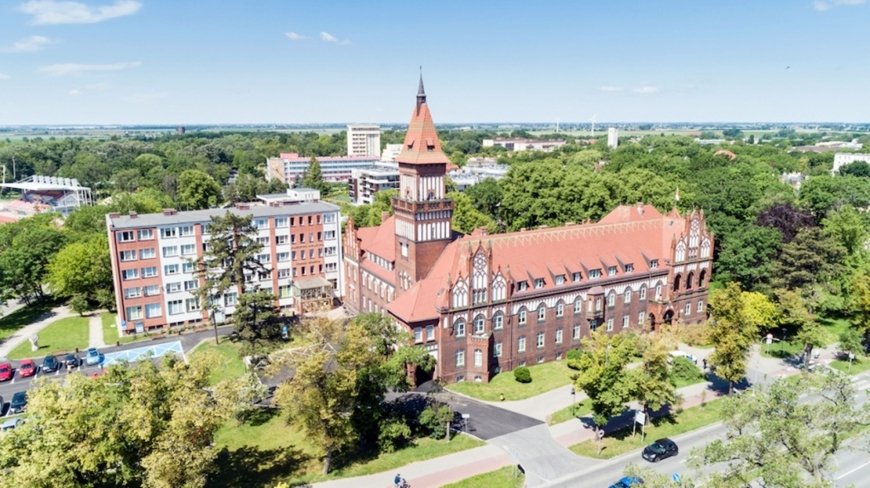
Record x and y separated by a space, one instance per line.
364 140
391 152
475 171
830 146
794 180
288 167
612 137
518 145
364 183
842 159
154 260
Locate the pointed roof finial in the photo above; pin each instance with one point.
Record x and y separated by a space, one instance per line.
421 92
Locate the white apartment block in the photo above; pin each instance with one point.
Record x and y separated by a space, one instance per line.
612 137
842 159
364 140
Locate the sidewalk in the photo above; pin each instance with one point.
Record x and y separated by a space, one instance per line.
95 330
25 332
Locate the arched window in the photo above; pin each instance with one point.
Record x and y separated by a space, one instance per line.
626 296
478 325
542 313
498 321
611 298
701 278
478 358
578 305
459 328
677 279
689 280
521 319
560 309
659 291
681 252
642 293
705 249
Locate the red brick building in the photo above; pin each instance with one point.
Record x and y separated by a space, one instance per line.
488 303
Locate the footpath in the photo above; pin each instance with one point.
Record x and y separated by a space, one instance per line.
25 332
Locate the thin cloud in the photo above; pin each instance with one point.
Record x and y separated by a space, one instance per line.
4 76
645 89
326 36
825 5
76 69
52 12
610 88
75 92
27 45
293 36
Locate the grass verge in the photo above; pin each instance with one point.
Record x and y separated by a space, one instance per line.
229 363
506 477
859 364
582 408
110 331
622 441
23 316
545 377
64 335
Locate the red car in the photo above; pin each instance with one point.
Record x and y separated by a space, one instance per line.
26 368
5 371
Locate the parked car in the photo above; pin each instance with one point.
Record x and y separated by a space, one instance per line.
71 361
5 371
18 403
660 449
26 368
92 357
627 482
682 354
11 424
50 364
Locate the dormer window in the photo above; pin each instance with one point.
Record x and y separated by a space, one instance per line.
560 279
629 268
522 285
575 277
594 273
539 283
653 263
611 271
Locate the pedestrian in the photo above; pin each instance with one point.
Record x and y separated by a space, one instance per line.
705 363
397 481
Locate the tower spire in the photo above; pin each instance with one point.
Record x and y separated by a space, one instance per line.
421 92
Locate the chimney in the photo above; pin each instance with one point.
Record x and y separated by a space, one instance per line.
114 215
134 215
243 206
169 211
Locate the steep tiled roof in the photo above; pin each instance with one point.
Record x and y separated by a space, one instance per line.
381 240
422 145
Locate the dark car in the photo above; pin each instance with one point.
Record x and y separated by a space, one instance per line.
627 482
18 403
26 368
50 364
71 361
5 371
660 449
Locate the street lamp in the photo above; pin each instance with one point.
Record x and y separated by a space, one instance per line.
851 357
573 401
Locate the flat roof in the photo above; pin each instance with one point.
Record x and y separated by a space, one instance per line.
197 216
45 183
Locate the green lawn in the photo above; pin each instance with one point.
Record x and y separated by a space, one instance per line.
581 409
833 327
229 365
859 364
23 316
110 331
506 477
545 377
64 335
265 450
621 442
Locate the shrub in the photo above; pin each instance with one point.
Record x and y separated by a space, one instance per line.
695 335
433 420
685 370
394 435
523 375
573 357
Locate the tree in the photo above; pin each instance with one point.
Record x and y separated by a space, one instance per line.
313 177
858 168
732 334
785 218
246 188
135 425
26 249
602 375
232 252
197 190
651 382
747 256
257 322
796 317
811 258
848 227
467 218
486 197
859 301
83 269
759 311
781 439
852 342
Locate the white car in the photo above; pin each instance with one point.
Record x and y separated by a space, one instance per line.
683 354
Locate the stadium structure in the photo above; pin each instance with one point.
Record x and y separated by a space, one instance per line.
44 194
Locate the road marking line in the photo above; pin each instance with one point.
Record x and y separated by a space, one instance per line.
847 473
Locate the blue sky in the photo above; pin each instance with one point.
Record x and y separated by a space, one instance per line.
264 61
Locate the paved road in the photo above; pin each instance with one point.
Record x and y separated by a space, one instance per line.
188 342
853 467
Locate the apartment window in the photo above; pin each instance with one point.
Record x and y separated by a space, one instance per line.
460 358
279 240
575 277
126 236
654 263
539 282
146 234
641 318
594 273
522 317
578 305
521 345
173 287
611 271
430 333
497 350
147 253
261 223
330 234
626 297
188 267
263 241
658 292
283 273
560 309
191 285
700 306
152 310
687 310
418 335
629 268
522 286
560 279
192 304
280 222
293 238
230 299
478 325
611 299
498 321
264 258
575 333
285 291
185 230
540 340
168 232
460 328
128 255
204 228
609 325
130 274
175 307
152 290
625 321
542 313
558 336
170 251
597 304
132 292
149 272
134 313
283 256
642 293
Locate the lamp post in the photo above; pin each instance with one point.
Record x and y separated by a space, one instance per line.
573 401
851 357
